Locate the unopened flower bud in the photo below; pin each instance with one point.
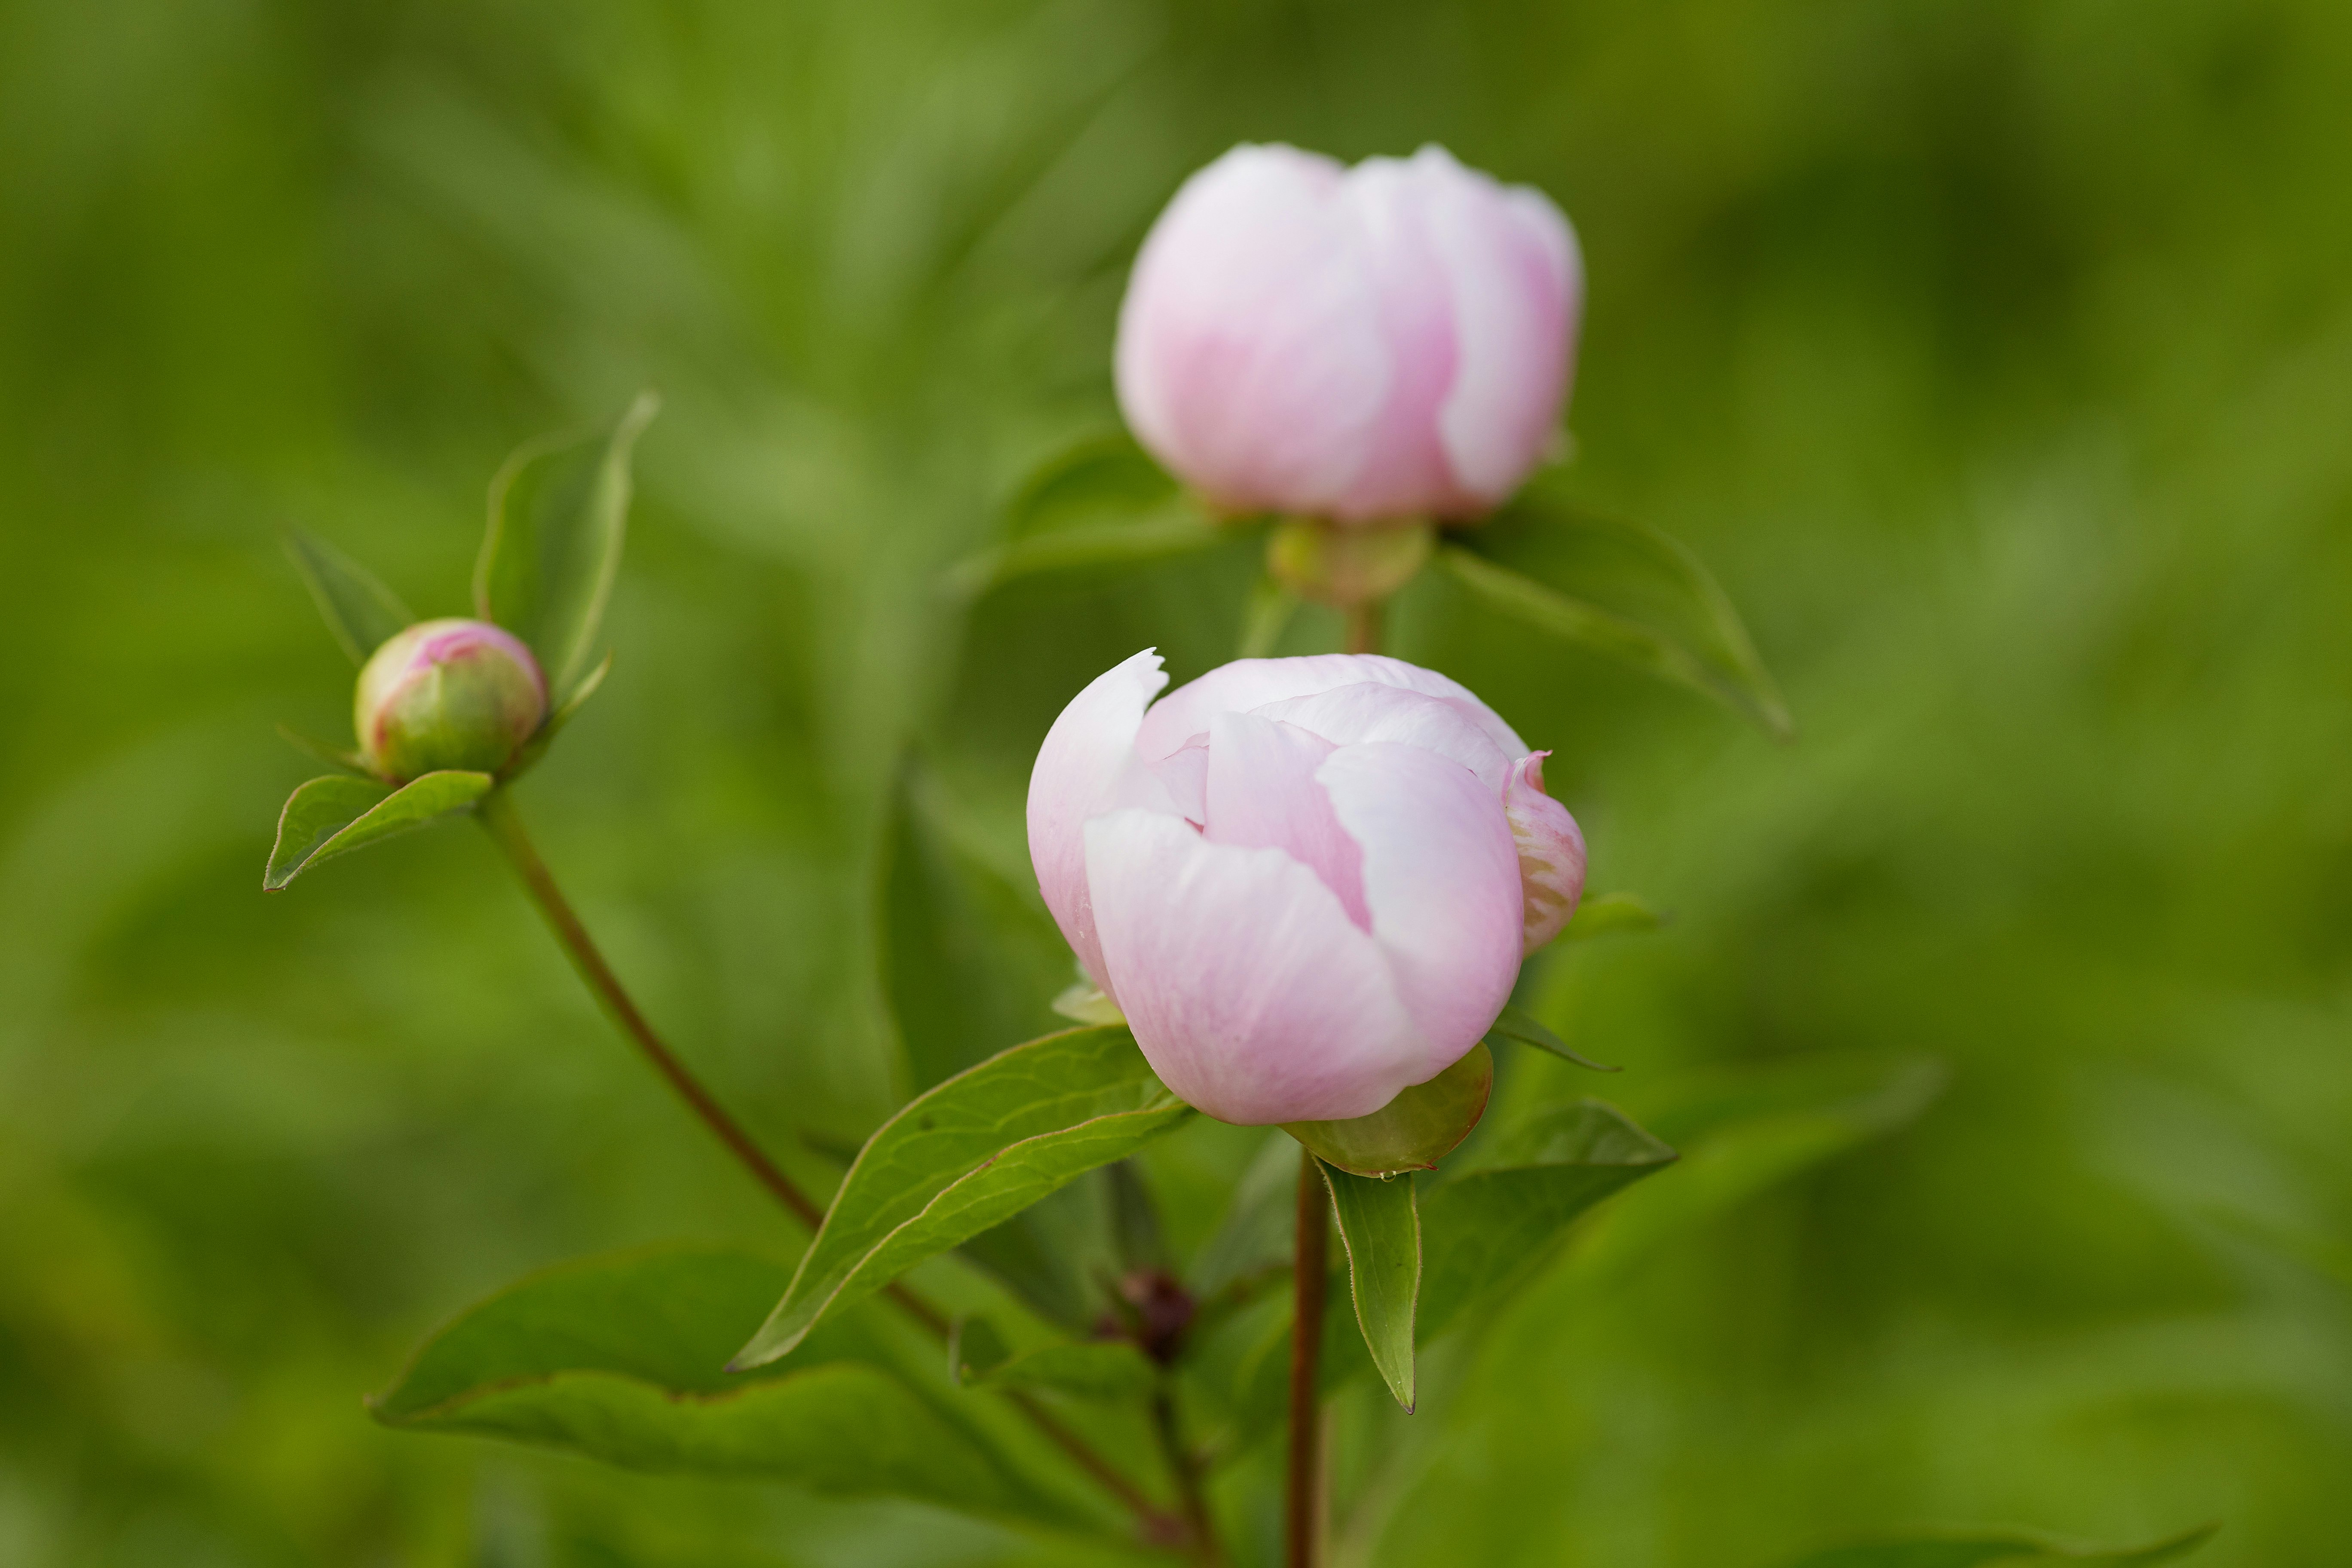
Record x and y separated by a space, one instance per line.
1389 340
447 694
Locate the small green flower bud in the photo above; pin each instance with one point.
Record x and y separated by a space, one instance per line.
447 694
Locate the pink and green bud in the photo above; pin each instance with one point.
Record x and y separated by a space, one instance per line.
447 694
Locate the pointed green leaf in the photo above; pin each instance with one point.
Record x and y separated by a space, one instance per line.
1519 1025
2009 1548
619 1359
1413 1132
331 816
1178 528
1611 913
1380 1230
1489 1230
1101 503
559 513
359 609
968 1155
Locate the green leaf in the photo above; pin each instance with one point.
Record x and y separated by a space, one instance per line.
1488 1230
558 512
334 816
359 609
1108 1372
619 1359
1610 913
1623 589
1102 502
2011 1548
1379 1226
1413 1132
967 1155
1523 1027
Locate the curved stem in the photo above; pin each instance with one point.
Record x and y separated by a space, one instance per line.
1302 1492
498 816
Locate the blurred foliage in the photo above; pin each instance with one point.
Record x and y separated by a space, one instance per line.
1995 357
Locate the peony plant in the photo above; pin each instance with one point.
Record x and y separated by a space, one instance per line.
1298 892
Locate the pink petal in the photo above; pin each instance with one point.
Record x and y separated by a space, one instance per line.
1517 285
1248 684
1350 715
1086 766
1250 358
1550 853
1442 876
1407 472
1253 995
1262 794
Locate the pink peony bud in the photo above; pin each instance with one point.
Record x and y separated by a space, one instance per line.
447 694
1307 882
1389 340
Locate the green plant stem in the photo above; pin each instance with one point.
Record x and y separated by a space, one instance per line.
504 824
1186 1473
1363 630
1310 1265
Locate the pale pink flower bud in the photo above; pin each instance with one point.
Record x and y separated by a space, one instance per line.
1394 339
1307 882
447 694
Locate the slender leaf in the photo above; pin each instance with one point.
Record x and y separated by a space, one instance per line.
1523 1027
619 1359
1412 1132
1622 637
2010 1548
331 817
1610 913
1490 1229
967 1155
1379 1226
359 609
1101 503
559 513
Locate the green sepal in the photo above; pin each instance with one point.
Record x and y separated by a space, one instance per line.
358 608
1523 1027
2010 1548
331 817
1412 1132
965 1156
1380 1228
559 516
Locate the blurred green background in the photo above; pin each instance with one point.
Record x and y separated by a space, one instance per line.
1998 355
